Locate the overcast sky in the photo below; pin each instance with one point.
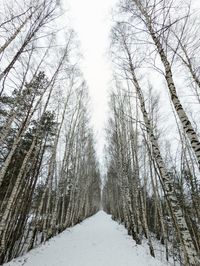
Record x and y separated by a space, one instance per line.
91 20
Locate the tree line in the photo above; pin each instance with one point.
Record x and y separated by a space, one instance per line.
49 175
150 187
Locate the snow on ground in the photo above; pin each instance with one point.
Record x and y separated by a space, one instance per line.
97 241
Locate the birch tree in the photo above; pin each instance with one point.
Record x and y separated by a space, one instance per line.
49 176
124 56
156 17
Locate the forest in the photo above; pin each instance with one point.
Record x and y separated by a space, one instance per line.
50 175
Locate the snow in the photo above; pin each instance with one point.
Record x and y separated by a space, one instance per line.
97 241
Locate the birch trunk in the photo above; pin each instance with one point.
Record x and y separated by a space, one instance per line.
11 200
187 126
125 185
176 212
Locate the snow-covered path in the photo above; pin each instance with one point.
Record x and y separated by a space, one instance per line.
97 241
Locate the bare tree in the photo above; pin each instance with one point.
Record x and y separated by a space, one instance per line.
125 62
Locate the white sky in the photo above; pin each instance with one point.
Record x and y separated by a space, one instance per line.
91 20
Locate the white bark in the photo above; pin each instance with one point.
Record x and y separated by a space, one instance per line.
177 215
12 199
187 126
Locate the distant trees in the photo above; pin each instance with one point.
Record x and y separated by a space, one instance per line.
49 177
146 189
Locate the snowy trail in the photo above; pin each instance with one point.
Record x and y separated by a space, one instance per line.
97 241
